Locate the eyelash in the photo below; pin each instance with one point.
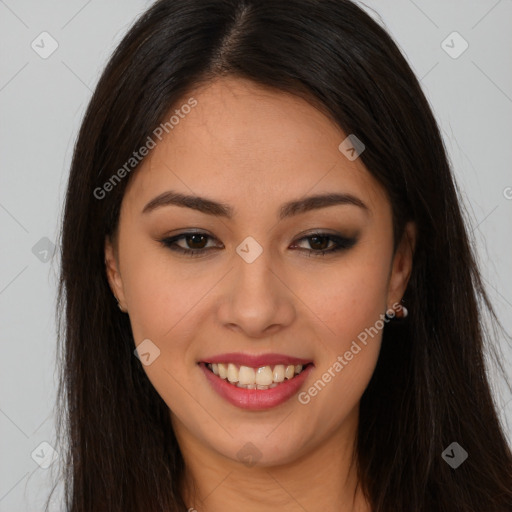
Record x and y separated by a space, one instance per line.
342 243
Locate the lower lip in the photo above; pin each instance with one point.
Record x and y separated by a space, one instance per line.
256 399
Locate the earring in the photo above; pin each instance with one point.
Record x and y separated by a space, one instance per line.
397 314
402 311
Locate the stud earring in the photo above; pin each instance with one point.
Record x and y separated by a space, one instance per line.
402 311
399 313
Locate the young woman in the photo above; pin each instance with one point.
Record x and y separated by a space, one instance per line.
259 195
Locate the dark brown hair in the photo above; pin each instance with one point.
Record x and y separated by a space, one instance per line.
430 386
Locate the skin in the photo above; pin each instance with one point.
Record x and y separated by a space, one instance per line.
254 148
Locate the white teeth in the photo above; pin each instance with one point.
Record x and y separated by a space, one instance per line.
232 373
246 375
246 386
278 375
223 372
263 377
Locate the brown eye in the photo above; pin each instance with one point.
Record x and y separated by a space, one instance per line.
195 243
319 243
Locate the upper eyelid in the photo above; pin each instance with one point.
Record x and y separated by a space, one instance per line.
299 238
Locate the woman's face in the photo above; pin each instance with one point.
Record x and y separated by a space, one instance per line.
257 292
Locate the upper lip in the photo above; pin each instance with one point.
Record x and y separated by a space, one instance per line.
255 361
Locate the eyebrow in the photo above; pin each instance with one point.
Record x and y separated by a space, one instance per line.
218 209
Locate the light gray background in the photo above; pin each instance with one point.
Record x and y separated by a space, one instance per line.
42 102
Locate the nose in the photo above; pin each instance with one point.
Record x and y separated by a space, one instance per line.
256 300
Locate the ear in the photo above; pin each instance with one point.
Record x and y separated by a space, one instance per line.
113 274
402 265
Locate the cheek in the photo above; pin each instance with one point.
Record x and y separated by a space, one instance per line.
350 301
349 351
162 301
161 296
349 297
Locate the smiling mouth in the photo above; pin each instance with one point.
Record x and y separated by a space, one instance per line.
262 377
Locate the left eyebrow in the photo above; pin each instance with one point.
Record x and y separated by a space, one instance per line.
320 201
218 209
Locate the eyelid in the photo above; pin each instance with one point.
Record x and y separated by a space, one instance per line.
341 242
169 240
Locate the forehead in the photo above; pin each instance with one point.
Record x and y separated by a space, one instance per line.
251 146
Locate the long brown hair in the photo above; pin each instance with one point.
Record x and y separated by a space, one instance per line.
430 386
